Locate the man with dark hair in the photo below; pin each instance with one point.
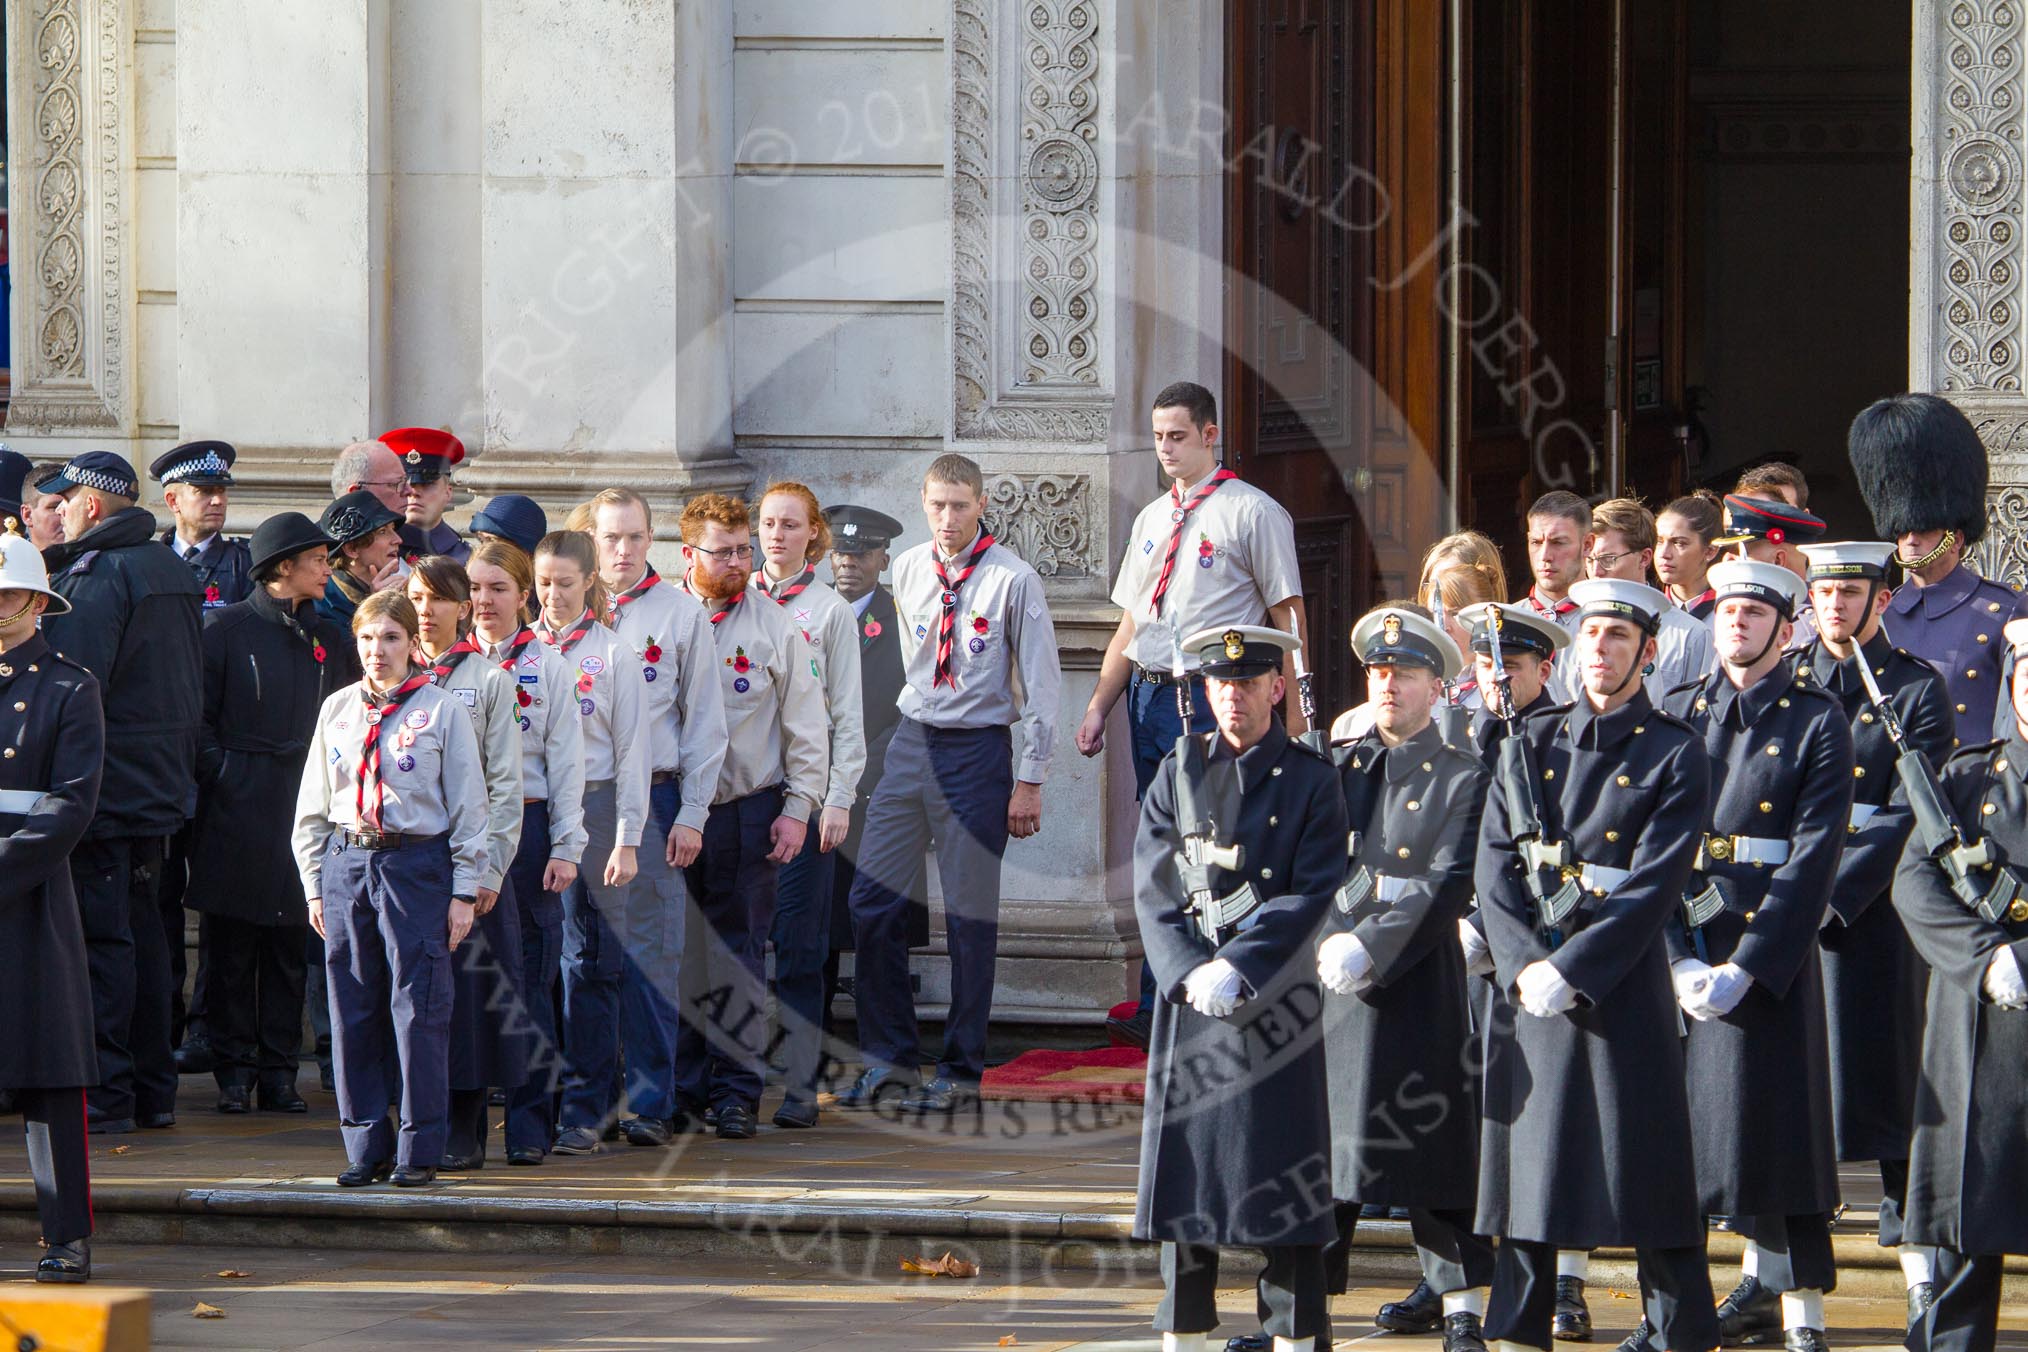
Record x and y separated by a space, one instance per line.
1211 552
1922 470
1559 538
981 655
133 623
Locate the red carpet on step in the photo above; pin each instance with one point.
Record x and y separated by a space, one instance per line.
1102 1075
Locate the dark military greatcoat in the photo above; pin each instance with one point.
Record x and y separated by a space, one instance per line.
1404 1072
1586 1134
1236 1138
1873 982
1954 625
1968 1165
1760 1078
52 741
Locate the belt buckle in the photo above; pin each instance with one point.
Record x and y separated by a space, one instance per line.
1718 847
371 840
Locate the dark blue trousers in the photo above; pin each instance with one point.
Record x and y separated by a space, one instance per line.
1156 724
732 905
802 939
387 963
653 939
531 1107
949 787
594 964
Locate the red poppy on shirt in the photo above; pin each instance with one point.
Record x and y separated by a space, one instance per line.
978 624
653 652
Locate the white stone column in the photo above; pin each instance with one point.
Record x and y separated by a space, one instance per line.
1968 324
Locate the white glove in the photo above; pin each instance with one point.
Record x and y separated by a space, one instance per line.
1478 953
1724 987
1544 993
1691 979
1343 964
1213 990
2003 982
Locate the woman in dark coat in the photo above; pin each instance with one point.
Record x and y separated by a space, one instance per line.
52 739
270 662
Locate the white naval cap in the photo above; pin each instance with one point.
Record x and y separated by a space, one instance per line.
1864 559
1618 599
1391 635
1766 582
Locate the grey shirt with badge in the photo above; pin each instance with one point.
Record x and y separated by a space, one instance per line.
1237 558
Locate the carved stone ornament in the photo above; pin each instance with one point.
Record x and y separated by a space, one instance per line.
66 194
1046 519
1032 373
1978 254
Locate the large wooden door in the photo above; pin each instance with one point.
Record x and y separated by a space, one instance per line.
1333 389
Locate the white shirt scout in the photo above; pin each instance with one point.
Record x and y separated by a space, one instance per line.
776 731
1237 557
605 679
552 740
670 633
831 629
488 695
430 779
1002 633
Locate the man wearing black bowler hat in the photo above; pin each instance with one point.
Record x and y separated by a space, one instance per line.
133 623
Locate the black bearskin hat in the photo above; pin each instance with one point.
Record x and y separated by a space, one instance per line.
1920 466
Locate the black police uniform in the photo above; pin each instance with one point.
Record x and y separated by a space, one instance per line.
1585 1139
1404 1076
1968 1161
223 568
1781 767
52 742
1236 1138
1873 982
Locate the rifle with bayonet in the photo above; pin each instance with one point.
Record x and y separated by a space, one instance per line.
1978 877
1551 870
1215 917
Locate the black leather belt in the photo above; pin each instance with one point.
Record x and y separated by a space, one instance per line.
1167 677
389 840
664 777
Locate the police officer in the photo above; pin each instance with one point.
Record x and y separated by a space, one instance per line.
1744 955
981 655
1396 1014
390 840
1771 530
1922 470
194 479
1212 551
53 738
369 539
1584 850
1873 983
860 537
1240 849
427 455
1968 1163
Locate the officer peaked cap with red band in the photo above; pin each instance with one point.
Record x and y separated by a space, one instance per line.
1767 519
426 453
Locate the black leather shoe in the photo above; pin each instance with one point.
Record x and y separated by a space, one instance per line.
1804 1340
874 1084
413 1176
67 1264
941 1095
1373 1211
1642 1339
196 1057
796 1115
646 1131
1462 1333
463 1164
107 1126
1250 1342
735 1122
1920 1297
365 1175
1135 1030
235 1098
1420 1311
526 1156
1751 1314
280 1098
577 1141
1572 1320
156 1121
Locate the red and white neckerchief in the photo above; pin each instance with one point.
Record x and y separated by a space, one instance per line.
631 595
514 647
562 642
1550 612
378 712
947 617
1180 513
452 658
793 588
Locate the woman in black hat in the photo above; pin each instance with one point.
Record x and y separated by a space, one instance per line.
367 557
270 662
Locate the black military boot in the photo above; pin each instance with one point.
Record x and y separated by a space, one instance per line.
1641 1339
1462 1333
1751 1314
1420 1311
1805 1340
1572 1321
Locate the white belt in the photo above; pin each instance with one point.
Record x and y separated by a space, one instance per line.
1743 850
20 802
1863 813
1390 889
1599 879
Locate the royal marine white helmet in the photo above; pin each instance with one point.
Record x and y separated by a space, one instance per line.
21 570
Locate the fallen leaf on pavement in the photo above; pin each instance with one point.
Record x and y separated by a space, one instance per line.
233 1273
203 1311
121 1149
1618 1295
1010 1341
946 1266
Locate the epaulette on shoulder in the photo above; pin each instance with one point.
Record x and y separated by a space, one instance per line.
1811 690
70 662
1683 688
1547 711
1464 754
1669 720
1964 755
1321 753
